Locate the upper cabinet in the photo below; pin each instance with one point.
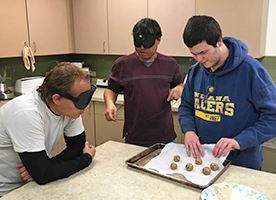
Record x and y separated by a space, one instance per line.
172 17
13 25
105 26
50 28
90 26
245 20
122 16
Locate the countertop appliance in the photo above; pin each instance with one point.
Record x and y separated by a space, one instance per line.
27 84
5 92
101 82
104 83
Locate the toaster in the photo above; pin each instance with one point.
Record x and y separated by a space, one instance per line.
27 84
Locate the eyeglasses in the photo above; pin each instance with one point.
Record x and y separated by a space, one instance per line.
82 100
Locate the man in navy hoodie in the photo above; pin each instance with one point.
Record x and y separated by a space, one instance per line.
229 98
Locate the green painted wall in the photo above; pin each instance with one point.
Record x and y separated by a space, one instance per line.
270 64
102 64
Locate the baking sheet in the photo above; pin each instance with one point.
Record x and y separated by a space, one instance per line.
142 159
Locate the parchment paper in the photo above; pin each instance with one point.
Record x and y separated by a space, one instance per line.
162 162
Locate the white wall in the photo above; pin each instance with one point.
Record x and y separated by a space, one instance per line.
271 30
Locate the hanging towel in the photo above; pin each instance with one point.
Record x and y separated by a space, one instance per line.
28 58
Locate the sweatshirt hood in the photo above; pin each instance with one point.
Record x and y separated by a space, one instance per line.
238 50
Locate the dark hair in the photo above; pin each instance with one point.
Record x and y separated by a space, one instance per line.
147 25
201 28
61 79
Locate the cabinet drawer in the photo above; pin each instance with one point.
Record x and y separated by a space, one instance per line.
175 119
106 130
180 136
269 162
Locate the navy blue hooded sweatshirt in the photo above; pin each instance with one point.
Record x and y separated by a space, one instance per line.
238 101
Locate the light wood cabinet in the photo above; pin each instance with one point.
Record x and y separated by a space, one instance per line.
88 122
269 164
269 154
108 24
13 25
3 102
90 21
245 20
108 130
50 26
105 26
180 135
122 16
172 17
90 26
60 146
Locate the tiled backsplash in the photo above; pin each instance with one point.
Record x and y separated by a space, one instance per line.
102 64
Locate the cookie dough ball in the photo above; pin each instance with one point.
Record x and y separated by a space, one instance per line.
214 166
206 171
223 191
173 166
189 167
198 161
176 158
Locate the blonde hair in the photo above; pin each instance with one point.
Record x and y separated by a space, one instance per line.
61 79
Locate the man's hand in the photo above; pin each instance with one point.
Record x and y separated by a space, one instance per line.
176 92
111 113
224 145
90 149
24 173
111 110
192 143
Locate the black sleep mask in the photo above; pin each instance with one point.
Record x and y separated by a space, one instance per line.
145 39
83 99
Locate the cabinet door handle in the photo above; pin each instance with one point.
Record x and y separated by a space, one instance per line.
34 47
104 46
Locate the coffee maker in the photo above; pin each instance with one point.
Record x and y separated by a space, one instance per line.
5 92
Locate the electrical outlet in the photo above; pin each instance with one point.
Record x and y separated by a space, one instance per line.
93 73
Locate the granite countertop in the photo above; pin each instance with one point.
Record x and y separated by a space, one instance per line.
98 96
108 177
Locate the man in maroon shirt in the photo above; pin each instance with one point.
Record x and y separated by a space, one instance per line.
149 80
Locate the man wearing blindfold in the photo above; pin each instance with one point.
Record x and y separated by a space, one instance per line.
32 124
149 80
